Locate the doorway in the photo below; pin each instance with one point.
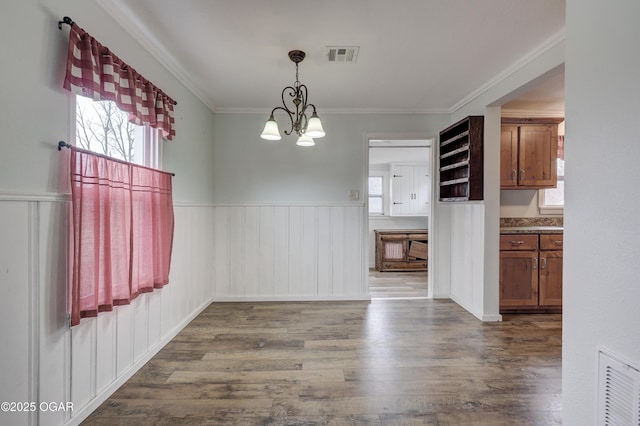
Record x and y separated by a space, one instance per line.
398 210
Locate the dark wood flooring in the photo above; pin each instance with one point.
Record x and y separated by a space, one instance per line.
387 362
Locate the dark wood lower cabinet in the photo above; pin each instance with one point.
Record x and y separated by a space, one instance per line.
551 278
530 273
518 278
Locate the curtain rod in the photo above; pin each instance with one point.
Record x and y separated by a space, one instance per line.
63 144
68 21
65 20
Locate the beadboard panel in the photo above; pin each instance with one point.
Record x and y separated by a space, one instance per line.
297 252
467 257
54 360
15 319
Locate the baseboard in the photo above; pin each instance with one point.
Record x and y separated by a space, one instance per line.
482 317
345 298
80 415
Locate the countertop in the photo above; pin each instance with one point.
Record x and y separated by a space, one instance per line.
531 230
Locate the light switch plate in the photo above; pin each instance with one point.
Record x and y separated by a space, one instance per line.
354 195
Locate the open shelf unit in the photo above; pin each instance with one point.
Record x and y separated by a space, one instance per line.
461 160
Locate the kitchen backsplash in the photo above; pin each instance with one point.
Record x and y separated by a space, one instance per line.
531 221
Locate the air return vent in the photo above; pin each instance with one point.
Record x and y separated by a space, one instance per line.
618 393
342 53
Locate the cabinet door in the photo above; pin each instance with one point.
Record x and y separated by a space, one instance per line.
401 189
551 278
508 156
410 190
538 152
422 185
518 278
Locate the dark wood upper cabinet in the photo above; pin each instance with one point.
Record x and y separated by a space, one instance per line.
528 153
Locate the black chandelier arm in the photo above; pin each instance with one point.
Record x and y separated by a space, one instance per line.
312 106
290 114
292 93
298 119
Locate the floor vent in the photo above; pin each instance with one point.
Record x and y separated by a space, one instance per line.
342 53
618 392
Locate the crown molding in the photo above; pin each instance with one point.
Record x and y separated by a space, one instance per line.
124 16
516 66
532 113
344 111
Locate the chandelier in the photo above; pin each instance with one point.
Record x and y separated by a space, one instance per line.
305 127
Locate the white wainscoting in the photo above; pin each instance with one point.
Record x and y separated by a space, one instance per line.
289 252
467 254
219 253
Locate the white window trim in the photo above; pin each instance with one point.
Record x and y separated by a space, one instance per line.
544 208
385 193
548 210
150 150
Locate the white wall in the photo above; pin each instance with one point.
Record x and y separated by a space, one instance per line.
519 203
601 269
249 170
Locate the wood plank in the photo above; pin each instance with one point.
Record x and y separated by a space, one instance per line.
383 362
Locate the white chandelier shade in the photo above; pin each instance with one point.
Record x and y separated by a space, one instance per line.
305 141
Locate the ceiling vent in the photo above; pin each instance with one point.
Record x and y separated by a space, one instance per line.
342 53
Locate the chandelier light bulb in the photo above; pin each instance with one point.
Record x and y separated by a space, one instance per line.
314 128
305 141
271 131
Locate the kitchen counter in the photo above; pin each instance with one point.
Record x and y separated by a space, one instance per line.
531 230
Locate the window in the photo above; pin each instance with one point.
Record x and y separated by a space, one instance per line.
376 195
103 128
551 201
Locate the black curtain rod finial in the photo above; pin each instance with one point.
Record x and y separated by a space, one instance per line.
63 144
65 20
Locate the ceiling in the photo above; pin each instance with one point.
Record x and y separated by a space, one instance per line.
415 55
546 99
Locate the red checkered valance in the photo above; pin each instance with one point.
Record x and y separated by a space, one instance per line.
93 71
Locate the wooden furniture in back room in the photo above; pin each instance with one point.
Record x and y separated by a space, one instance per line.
401 249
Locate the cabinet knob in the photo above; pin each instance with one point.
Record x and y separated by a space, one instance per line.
535 263
396 202
521 174
544 263
514 174
517 243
